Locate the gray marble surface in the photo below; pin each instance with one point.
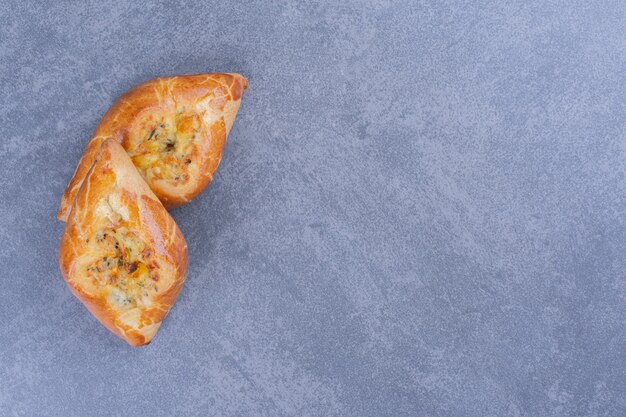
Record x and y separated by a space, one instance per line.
420 211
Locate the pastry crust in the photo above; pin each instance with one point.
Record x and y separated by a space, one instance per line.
173 128
122 254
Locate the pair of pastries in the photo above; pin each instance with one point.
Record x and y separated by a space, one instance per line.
158 147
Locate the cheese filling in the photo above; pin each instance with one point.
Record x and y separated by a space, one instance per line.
123 268
165 146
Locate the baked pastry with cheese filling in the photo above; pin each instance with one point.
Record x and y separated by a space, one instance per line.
122 254
174 130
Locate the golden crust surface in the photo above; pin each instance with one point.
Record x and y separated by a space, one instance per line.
173 128
122 254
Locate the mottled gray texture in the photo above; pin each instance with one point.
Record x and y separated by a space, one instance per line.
420 211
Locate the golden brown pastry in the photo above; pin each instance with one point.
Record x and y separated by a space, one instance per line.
174 130
122 254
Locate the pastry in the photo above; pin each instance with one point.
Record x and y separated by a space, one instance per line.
122 254
174 130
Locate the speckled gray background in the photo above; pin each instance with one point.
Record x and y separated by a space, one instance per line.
421 210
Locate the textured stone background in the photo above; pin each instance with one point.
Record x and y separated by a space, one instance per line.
421 210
